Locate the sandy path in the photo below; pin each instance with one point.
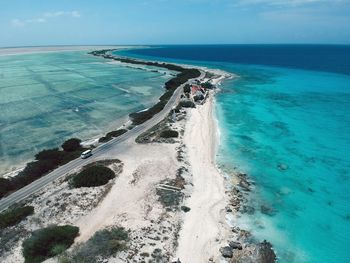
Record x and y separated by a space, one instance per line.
204 226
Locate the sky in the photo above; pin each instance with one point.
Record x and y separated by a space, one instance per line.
105 22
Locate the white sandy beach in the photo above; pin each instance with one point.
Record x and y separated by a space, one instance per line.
204 228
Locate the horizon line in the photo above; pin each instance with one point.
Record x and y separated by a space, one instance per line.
193 44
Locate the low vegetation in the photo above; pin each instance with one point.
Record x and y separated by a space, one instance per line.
9 238
113 134
14 216
169 134
185 208
187 104
5 186
169 198
71 145
92 176
104 139
198 97
48 242
45 161
208 85
187 88
104 244
116 133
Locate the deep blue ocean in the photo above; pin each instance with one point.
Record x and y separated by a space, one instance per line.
285 121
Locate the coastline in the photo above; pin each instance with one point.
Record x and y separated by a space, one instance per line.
276 172
12 170
132 201
204 228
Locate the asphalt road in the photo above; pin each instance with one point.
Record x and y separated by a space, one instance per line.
103 149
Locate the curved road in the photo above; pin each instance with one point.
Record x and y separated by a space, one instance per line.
37 185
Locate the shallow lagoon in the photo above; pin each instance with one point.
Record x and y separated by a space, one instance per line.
49 97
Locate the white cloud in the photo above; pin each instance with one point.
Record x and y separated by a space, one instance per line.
44 18
75 14
17 23
62 13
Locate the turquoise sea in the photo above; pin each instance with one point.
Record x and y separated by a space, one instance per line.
285 121
49 97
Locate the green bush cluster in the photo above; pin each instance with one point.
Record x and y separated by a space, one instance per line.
116 133
185 208
187 88
187 104
45 161
104 139
14 216
91 176
105 243
198 97
208 85
169 134
140 117
182 77
5 186
112 134
71 145
48 242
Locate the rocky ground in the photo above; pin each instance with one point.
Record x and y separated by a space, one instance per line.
242 246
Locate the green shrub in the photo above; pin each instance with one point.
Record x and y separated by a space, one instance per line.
208 85
182 77
14 216
104 139
46 161
93 176
187 88
185 208
167 95
198 97
5 187
55 156
140 117
116 133
169 134
33 171
105 243
48 242
71 145
112 134
187 104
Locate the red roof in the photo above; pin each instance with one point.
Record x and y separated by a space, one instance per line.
195 88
